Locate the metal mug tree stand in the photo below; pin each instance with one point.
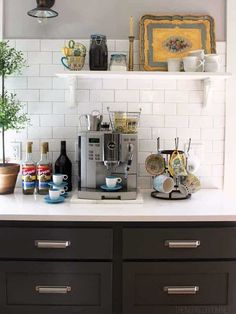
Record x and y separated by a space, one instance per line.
175 194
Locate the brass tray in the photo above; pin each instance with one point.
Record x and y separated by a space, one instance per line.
164 37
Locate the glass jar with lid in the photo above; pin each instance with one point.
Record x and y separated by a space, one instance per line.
98 53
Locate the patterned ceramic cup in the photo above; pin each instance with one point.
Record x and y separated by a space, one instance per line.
163 183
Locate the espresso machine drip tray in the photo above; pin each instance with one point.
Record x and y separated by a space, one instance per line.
98 194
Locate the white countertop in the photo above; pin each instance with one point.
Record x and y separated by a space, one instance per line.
206 205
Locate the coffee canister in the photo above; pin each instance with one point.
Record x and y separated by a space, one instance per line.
98 53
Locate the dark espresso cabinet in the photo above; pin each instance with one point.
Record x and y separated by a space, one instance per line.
117 268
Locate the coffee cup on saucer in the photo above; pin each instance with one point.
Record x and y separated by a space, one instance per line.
58 178
112 181
54 194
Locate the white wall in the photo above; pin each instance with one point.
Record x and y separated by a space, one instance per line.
79 19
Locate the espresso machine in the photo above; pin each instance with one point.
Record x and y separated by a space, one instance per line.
106 153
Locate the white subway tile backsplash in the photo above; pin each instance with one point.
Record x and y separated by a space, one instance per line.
146 108
139 84
39 82
114 84
39 107
192 85
127 95
52 45
164 84
164 108
28 95
176 121
101 95
170 108
186 133
39 132
28 44
152 121
37 57
65 132
52 95
176 96
50 69
164 133
201 122
52 120
17 82
152 96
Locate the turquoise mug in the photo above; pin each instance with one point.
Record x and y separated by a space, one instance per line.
73 63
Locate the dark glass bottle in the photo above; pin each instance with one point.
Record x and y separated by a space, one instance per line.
63 165
98 53
28 172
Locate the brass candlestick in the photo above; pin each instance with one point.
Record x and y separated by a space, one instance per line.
131 53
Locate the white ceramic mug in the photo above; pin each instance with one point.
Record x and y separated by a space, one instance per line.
192 64
193 164
174 64
163 183
212 63
200 54
54 194
112 181
58 178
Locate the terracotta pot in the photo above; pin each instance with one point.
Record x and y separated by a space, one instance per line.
8 177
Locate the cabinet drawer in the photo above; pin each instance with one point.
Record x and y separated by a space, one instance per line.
56 243
179 243
55 287
178 287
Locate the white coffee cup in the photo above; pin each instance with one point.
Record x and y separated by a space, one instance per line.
200 54
112 181
54 194
192 64
163 183
58 178
212 63
174 64
193 164
197 53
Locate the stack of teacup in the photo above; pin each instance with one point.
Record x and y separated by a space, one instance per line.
58 189
74 56
196 61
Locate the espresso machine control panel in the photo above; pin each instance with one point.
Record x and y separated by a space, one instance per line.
94 149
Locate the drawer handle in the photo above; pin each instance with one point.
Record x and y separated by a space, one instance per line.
181 290
182 244
47 244
52 289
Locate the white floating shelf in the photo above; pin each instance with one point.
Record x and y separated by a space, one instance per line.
207 77
145 74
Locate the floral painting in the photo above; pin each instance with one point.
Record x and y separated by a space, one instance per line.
176 44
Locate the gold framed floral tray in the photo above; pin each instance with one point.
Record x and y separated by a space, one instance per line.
164 37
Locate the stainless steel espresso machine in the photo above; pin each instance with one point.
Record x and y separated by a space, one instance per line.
103 154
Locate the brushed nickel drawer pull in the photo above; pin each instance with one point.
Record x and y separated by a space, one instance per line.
47 244
182 244
181 290
53 289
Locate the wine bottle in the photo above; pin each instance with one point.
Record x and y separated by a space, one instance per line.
44 172
63 165
28 172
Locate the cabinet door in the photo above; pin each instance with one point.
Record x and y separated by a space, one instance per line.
174 287
55 287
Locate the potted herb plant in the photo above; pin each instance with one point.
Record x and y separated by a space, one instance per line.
12 116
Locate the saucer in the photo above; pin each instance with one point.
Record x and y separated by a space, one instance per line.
62 185
116 188
47 199
65 195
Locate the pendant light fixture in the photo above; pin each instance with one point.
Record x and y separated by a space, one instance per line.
43 10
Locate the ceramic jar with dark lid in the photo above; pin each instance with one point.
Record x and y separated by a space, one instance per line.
98 53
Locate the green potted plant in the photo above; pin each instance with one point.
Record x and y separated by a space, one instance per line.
11 114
